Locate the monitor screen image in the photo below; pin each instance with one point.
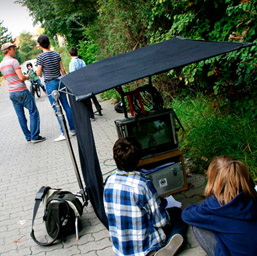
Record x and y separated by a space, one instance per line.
151 134
155 132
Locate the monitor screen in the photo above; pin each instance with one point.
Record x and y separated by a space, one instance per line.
155 132
151 133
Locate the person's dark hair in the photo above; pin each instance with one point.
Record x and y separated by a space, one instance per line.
73 51
43 41
127 153
29 64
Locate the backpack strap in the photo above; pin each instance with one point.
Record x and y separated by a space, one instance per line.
39 196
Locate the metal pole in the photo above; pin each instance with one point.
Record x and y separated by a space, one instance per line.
56 95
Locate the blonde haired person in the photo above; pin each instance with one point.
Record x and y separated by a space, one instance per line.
226 222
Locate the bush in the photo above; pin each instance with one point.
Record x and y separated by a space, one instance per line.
209 133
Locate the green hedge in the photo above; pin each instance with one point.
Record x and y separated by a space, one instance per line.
209 132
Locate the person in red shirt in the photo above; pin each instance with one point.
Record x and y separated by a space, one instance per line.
19 94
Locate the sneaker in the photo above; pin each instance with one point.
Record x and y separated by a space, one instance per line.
171 247
92 119
39 139
73 133
60 138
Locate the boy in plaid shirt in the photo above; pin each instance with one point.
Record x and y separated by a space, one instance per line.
139 224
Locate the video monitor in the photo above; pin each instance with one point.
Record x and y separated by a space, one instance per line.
155 131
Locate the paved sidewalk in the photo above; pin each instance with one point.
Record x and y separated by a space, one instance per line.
25 167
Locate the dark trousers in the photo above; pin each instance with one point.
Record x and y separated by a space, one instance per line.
177 225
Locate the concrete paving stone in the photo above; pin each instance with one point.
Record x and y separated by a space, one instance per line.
92 229
12 234
8 247
94 253
73 250
83 240
3 229
35 249
93 221
16 252
107 251
93 246
101 234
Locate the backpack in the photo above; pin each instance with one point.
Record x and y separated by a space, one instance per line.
61 213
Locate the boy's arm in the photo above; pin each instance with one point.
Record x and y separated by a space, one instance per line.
39 70
62 68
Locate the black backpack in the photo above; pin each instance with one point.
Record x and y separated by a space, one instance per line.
62 210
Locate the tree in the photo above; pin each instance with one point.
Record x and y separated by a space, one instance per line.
67 18
27 48
4 37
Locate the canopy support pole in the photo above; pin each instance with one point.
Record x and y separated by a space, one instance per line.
56 95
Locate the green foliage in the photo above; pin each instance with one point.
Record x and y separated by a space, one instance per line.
87 48
63 17
209 133
27 48
121 26
111 94
5 36
215 21
65 57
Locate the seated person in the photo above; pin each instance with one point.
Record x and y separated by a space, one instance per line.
226 222
139 224
34 78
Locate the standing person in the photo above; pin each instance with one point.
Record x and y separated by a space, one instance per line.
226 222
33 78
75 64
49 62
138 222
19 94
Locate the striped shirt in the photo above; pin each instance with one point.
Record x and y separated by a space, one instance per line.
7 68
50 62
135 214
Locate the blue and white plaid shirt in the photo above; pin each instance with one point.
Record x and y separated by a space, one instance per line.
135 214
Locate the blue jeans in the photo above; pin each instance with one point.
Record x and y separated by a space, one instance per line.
21 100
54 85
176 226
206 239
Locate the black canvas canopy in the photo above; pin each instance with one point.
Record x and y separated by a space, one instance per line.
118 70
151 60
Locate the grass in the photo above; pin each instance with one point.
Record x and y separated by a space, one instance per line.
209 133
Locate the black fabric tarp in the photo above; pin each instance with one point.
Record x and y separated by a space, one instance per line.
147 61
88 157
118 70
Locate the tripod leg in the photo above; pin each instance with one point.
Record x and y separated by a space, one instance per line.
76 228
97 105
